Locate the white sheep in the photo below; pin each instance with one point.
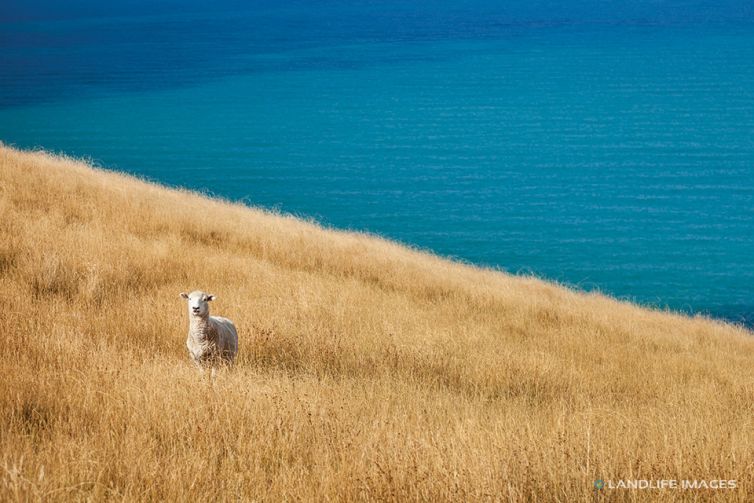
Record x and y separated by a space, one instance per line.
212 340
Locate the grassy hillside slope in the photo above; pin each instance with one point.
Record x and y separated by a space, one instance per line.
366 370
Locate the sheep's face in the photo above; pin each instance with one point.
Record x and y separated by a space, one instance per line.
198 303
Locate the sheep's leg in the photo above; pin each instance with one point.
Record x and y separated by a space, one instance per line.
198 366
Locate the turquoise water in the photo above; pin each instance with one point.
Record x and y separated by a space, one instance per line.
611 155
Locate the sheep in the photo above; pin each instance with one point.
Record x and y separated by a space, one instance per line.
212 340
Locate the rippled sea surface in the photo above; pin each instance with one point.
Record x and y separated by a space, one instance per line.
611 155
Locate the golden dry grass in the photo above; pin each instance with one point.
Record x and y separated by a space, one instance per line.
367 371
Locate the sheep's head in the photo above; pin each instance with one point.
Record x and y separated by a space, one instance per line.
198 302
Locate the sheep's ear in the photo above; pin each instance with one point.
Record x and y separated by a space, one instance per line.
210 297
184 295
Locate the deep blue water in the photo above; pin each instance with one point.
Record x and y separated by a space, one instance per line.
603 146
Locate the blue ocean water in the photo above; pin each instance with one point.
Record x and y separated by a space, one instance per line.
603 146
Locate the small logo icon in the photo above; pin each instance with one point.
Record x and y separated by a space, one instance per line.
599 484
